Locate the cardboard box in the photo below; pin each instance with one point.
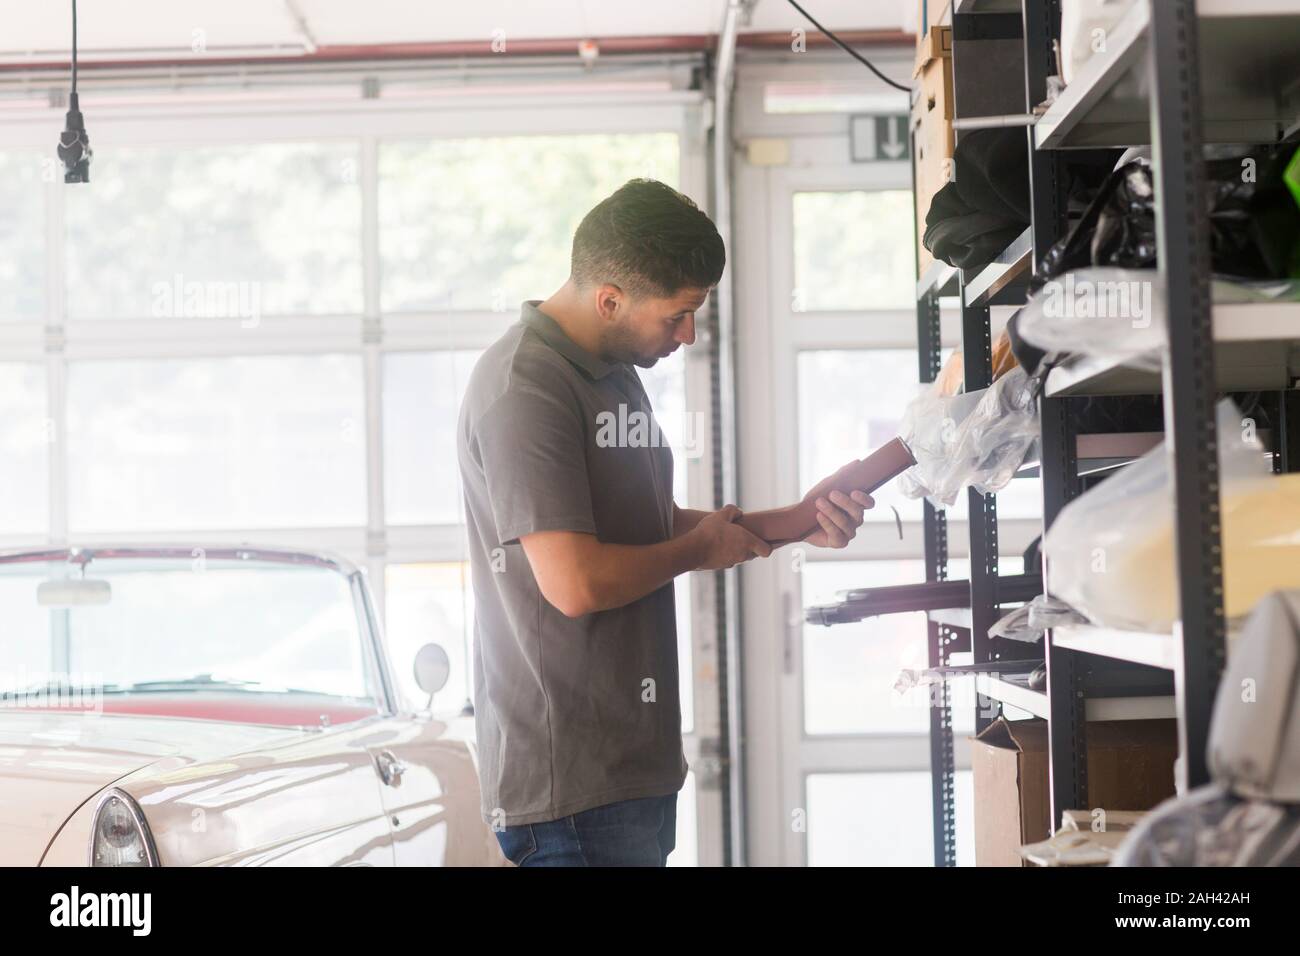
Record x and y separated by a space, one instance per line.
930 14
1130 768
932 142
937 44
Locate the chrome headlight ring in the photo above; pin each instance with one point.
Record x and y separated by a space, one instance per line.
119 835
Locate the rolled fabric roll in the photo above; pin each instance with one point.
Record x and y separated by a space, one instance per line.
795 522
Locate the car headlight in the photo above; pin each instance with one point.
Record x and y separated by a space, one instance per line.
119 835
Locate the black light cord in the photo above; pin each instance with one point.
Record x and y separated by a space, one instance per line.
74 47
839 43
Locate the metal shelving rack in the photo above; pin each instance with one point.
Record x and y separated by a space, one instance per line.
1210 350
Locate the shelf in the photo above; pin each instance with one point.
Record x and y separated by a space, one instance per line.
1014 690
1103 452
1247 356
1139 647
994 281
1250 59
986 6
939 278
856 604
952 617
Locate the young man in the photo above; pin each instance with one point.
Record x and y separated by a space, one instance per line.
575 541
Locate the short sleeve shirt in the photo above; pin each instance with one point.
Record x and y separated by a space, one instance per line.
570 713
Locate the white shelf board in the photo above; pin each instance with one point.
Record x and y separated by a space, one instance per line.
1250 58
952 616
1257 347
1140 647
1011 264
1098 708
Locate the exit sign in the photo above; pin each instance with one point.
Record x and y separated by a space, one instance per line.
878 138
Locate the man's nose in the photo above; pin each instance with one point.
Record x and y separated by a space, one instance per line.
686 330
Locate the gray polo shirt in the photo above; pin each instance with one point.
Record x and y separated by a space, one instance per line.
570 713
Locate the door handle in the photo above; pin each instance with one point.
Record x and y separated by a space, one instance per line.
390 768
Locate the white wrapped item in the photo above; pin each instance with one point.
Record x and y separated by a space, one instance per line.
958 446
1254 744
1110 551
1250 814
1104 312
1120 314
1085 26
1028 622
1085 838
1213 827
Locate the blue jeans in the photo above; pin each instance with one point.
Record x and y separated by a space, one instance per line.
639 832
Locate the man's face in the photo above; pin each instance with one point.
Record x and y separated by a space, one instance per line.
645 329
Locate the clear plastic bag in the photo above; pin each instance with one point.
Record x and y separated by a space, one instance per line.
975 440
1028 622
1110 551
1210 826
1105 312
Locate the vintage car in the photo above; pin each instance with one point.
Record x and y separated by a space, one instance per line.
177 706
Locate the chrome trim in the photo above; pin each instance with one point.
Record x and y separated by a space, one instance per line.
226 552
361 590
150 851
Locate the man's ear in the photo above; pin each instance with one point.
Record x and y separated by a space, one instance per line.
610 299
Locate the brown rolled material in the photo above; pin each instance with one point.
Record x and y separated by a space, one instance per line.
795 522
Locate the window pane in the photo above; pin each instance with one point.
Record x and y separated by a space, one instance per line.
854 250
224 232
22 235
665 383
687 850
1022 498
685 654
430 604
25 435
882 819
274 442
849 670
422 395
850 403
805 97
483 224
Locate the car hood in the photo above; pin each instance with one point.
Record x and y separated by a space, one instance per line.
51 763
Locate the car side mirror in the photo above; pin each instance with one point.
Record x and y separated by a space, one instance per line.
432 668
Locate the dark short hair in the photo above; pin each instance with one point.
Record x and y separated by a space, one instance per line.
648 238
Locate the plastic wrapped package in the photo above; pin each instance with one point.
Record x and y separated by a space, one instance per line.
1213 827
1083 22
976 440
1029 621
1105 312
1120 314
1111 550
1250 814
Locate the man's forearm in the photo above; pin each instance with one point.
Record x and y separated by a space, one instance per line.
581 575
684 519
619 574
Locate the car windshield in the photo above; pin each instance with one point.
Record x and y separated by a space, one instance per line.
155 635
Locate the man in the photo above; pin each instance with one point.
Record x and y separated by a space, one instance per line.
575 542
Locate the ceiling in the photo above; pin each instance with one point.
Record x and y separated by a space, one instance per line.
39 31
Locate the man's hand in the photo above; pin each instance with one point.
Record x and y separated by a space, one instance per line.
723 543
840 516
